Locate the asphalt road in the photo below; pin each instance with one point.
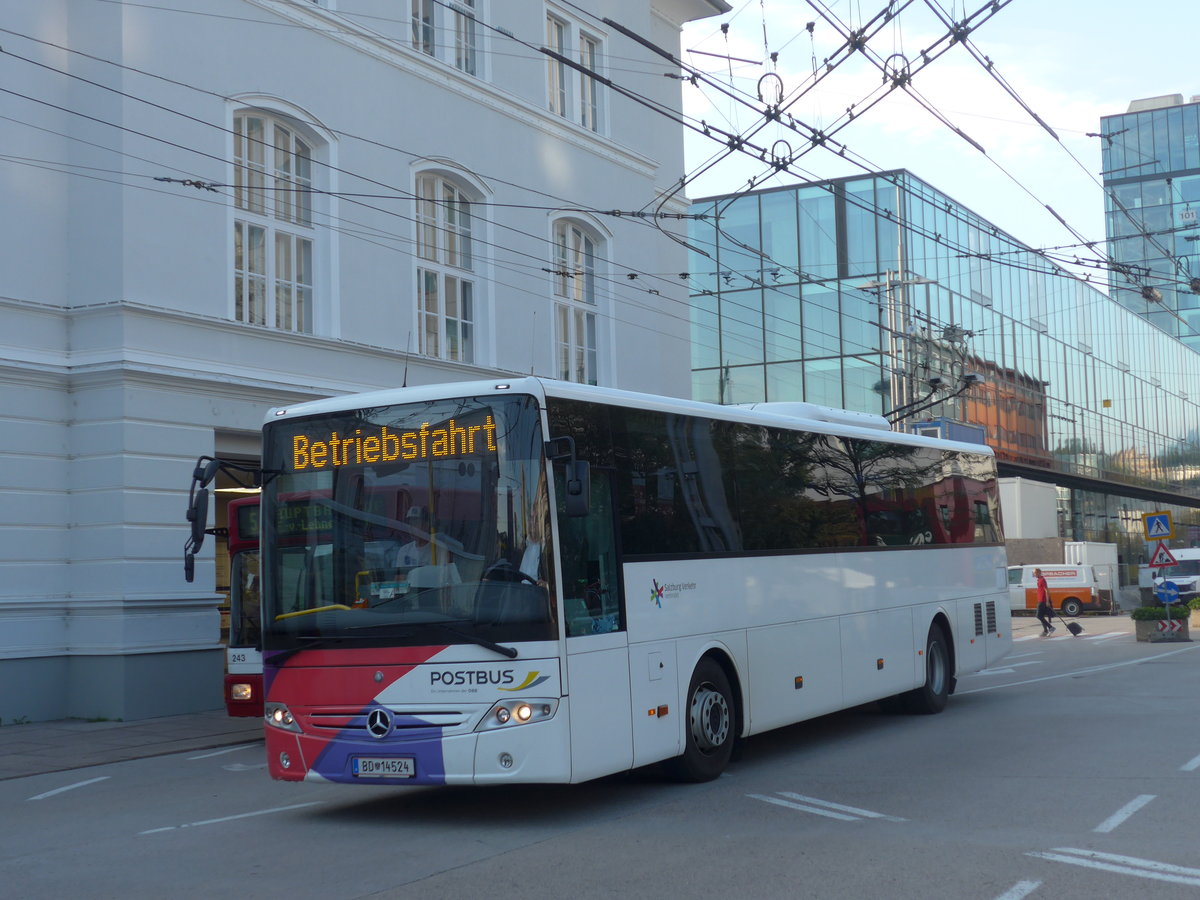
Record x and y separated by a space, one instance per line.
1071 771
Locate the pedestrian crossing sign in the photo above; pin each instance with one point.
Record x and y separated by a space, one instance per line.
1158 526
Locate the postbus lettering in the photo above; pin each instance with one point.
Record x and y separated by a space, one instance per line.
385 445
471 676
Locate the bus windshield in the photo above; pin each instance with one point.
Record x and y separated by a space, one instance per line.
408 525
244 623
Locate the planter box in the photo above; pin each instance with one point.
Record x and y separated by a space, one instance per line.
1156 631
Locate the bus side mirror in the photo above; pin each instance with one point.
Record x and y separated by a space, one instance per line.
579 488
197 515
204 474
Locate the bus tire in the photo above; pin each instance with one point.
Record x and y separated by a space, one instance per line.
931 697
709 731
1072 607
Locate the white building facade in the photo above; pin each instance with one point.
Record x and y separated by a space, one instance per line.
215 208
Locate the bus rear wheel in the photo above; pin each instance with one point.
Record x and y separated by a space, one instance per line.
932 696
1071 607
709 734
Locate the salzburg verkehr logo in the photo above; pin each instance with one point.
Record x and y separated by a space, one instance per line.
657 593
669 591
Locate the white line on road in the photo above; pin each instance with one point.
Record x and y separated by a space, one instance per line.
811 809
1124 813
69 787
1088 637
1007 670
1089 670
1191 766
249 815
225 750
1020 890
853 810
824 807
1125 865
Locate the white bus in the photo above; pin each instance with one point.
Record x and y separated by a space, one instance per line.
536 581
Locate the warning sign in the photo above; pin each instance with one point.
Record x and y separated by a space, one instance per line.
1158 526
1162 557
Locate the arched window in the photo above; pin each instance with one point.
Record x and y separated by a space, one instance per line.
273 230
446 301
575 250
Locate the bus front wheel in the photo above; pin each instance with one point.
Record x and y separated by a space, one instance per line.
709 732
932 696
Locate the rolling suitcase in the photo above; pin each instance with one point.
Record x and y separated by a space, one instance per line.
1074 627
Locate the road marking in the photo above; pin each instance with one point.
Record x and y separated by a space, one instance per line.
223 751
1088 670
1090 637
249 815
1020 890
802 808
69 787
831 810
1125 865
1010 669
1124 813
245 767
1191 766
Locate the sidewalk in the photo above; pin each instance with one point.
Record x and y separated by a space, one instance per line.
41 747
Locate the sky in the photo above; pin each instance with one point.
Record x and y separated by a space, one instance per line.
1070 61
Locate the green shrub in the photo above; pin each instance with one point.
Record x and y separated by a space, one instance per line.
1194 603
1150 613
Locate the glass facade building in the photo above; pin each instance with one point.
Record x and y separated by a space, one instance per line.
1151 169
881 294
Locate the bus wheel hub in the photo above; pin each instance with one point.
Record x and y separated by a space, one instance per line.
709 718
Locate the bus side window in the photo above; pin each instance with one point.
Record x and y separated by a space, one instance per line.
591 594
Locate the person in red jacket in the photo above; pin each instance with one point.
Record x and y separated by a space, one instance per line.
1045 609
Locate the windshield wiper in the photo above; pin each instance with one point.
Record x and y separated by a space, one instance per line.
309 643
510 652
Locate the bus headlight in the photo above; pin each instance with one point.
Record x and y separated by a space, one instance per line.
508 713
280 716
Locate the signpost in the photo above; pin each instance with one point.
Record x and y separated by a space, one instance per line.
1162 557
1158 526
1168 593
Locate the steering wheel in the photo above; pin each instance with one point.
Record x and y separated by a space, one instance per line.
503 570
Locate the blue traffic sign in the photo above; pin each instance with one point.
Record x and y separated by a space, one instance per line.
1168 593
1158 526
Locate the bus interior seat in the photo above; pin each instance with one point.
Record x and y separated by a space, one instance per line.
502 602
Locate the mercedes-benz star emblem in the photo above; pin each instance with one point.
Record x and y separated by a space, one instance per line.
379 723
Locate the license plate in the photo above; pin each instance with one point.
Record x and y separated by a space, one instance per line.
383 767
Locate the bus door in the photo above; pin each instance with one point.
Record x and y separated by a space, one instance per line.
597 660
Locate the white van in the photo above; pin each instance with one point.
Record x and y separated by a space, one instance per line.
1073 588
1185 575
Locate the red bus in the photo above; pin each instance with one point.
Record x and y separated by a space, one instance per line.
243 656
